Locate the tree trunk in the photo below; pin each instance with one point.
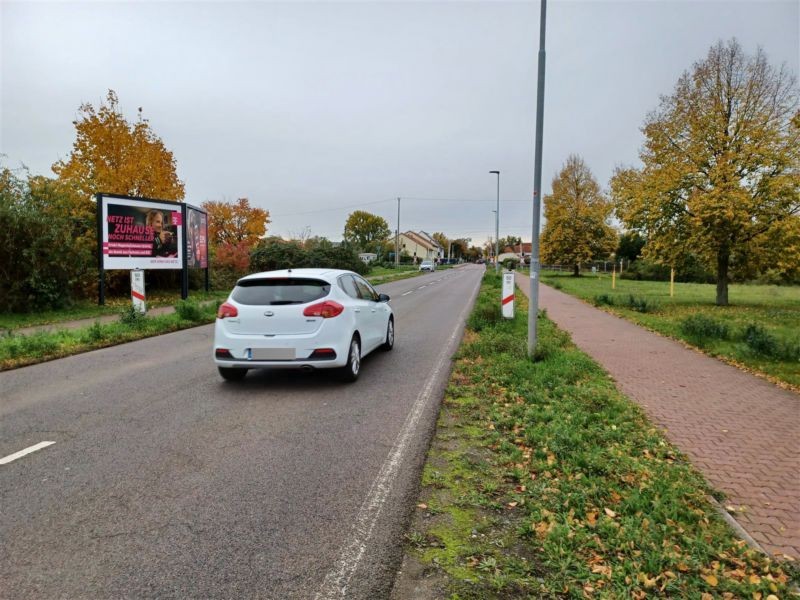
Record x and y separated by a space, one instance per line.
723 260
576 270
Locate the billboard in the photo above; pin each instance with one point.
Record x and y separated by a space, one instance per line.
196 238
140 234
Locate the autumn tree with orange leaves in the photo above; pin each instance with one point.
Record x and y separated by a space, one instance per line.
235 222
114 156
721 168
234 228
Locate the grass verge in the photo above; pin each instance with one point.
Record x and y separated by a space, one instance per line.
90 310
21 350
113 306
544 481
757 331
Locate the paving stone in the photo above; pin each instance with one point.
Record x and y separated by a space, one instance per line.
741 431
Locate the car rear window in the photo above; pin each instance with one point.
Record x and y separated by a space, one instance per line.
280 291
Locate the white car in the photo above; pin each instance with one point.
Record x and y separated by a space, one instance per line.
301 319
427 265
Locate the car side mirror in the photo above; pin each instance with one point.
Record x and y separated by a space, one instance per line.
383 298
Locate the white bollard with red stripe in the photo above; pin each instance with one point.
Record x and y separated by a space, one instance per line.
507 299
137 290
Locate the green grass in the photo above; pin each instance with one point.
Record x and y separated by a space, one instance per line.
544 481
20 350
90 309
380 275
692 316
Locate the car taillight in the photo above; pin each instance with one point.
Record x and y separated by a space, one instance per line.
326 309
227 310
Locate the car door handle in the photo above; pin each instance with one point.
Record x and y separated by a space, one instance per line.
356 310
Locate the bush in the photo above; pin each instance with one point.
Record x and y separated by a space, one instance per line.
603 300
700 326
189 310
643 304
132 317
762 342
511 263
275 253
692 272
95 333
759 340
46 257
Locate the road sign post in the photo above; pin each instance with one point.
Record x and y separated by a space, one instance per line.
507 298
137 290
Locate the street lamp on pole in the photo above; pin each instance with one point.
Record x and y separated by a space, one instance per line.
497 225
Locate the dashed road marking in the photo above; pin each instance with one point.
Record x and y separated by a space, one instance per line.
21 453
408 292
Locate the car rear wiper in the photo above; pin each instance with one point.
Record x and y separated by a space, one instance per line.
282 302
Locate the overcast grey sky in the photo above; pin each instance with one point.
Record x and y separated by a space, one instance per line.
312 110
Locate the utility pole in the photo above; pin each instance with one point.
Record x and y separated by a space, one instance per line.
533 308
397 237
497 226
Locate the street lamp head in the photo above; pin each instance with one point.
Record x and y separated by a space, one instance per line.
495 172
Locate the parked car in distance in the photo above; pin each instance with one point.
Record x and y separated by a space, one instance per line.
301 319
427 265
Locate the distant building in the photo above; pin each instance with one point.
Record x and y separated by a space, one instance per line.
420 246
521 251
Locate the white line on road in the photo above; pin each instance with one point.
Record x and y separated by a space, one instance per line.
422 286
337 580
21 453
408 292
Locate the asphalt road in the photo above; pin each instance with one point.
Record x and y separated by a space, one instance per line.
164 481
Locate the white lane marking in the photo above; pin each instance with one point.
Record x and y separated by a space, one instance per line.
422 286
336 581
21 453
408 292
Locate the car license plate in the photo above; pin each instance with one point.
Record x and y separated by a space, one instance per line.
272 354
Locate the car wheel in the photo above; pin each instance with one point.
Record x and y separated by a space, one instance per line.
353 367
232 373
389 343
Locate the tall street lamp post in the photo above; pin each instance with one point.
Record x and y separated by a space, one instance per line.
533 306
497 226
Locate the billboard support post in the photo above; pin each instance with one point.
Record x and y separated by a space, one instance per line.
101 274
184 262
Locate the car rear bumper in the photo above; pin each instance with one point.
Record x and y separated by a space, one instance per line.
240 348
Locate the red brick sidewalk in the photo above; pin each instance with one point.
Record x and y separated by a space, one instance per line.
741 432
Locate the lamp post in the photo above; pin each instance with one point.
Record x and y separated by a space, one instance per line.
533 305
497 225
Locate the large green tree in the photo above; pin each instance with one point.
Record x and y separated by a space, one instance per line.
721 174
577 214
365 230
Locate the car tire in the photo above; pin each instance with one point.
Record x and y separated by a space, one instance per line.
389 343
350 371
232 373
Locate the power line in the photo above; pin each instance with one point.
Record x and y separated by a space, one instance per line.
459 199
319 210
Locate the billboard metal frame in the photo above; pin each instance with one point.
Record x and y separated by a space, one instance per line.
184 268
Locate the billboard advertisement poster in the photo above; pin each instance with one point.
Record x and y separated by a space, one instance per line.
141 234
196 238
